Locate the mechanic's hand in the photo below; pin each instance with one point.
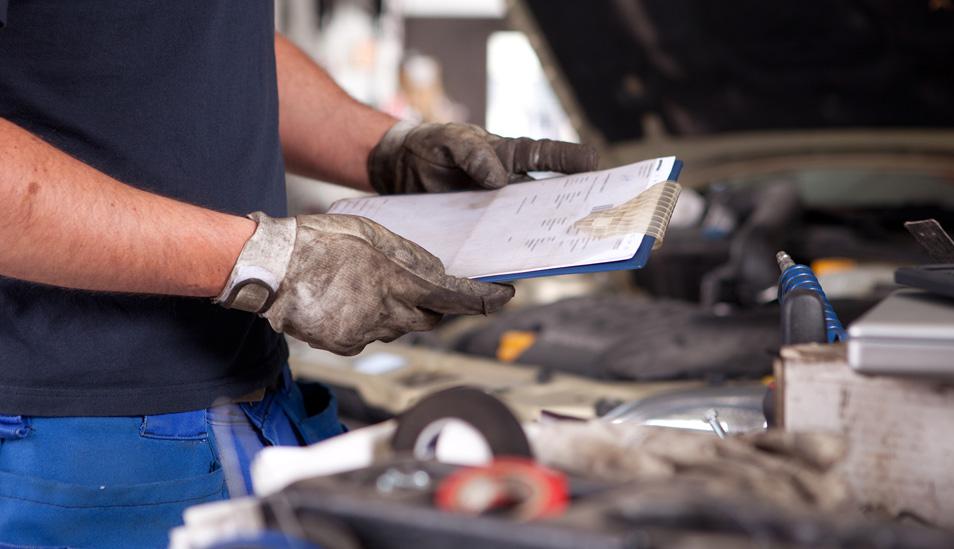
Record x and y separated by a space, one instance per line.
343 281
453 157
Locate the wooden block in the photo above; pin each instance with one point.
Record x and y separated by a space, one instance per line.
900 430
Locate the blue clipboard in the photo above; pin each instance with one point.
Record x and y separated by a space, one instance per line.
638 260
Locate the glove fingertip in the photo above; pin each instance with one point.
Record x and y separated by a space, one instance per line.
591 158
498 297
493 182
495 175
462 296
580 158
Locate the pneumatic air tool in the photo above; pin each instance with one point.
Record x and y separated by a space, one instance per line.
807 315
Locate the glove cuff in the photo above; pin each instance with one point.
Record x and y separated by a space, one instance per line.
260 268
384 156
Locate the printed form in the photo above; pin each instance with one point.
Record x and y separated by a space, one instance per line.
520 228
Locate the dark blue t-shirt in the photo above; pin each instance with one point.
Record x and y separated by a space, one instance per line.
179 98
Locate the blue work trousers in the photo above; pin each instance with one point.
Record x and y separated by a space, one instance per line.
125 481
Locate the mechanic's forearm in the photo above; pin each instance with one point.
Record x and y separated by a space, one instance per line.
66 224
325 133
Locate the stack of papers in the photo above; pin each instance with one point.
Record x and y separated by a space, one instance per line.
594 221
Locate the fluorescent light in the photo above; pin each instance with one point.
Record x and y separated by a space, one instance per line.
445 8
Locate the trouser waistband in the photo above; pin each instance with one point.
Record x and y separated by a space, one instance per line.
190 425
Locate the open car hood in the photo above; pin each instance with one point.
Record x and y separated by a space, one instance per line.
746 87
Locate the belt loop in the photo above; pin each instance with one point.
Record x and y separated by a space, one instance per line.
12 427
178 426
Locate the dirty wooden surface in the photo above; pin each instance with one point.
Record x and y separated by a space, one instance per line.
900 431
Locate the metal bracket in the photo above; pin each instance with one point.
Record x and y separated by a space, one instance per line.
933 238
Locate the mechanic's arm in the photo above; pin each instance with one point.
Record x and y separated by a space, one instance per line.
325 133
66 224
328 135
336 282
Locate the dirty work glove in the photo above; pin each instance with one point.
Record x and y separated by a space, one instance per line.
339 282
791 470
433 158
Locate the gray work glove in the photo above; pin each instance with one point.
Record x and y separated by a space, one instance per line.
433 158
339 282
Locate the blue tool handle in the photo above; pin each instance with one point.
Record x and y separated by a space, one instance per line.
796 277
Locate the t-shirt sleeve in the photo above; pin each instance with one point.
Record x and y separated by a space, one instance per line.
3 13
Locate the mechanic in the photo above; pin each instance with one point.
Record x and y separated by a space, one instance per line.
143 147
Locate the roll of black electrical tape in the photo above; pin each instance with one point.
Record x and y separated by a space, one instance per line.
489 416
